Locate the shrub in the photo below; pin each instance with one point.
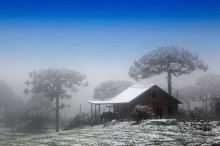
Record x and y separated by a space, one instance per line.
36 115
182 115
141 112
81 120
217 108
198 115
195 115
108 116
34 123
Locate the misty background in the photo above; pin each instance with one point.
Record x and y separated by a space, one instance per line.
102 41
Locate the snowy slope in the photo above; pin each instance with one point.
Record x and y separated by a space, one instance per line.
120 134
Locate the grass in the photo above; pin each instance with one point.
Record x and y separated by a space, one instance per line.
118 134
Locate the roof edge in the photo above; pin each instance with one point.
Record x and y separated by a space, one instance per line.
171 96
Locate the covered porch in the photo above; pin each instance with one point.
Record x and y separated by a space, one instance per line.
98 107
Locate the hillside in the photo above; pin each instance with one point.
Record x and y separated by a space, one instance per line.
121 133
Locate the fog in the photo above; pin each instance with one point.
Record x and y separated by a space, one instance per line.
16 74
102 43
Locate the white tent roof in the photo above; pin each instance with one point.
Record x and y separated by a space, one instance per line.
127 95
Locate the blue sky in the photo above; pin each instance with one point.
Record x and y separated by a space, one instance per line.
111 8
99 36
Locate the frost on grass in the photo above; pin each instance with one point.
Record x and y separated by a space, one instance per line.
122 133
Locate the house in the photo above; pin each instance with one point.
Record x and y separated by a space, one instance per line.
164 104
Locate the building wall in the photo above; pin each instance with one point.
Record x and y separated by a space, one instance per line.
162 104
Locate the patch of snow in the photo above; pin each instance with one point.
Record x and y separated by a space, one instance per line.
127 95
121 133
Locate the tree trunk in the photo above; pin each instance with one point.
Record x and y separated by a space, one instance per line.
169 83
57 113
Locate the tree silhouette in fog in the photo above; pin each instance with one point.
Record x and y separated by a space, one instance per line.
171 60
55 84
109 89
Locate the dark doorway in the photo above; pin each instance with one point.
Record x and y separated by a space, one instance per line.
159 112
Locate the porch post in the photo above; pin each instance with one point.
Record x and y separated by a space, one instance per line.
91 110
114 111
95 111
99 113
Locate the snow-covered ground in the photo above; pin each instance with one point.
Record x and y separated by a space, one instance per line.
122 133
